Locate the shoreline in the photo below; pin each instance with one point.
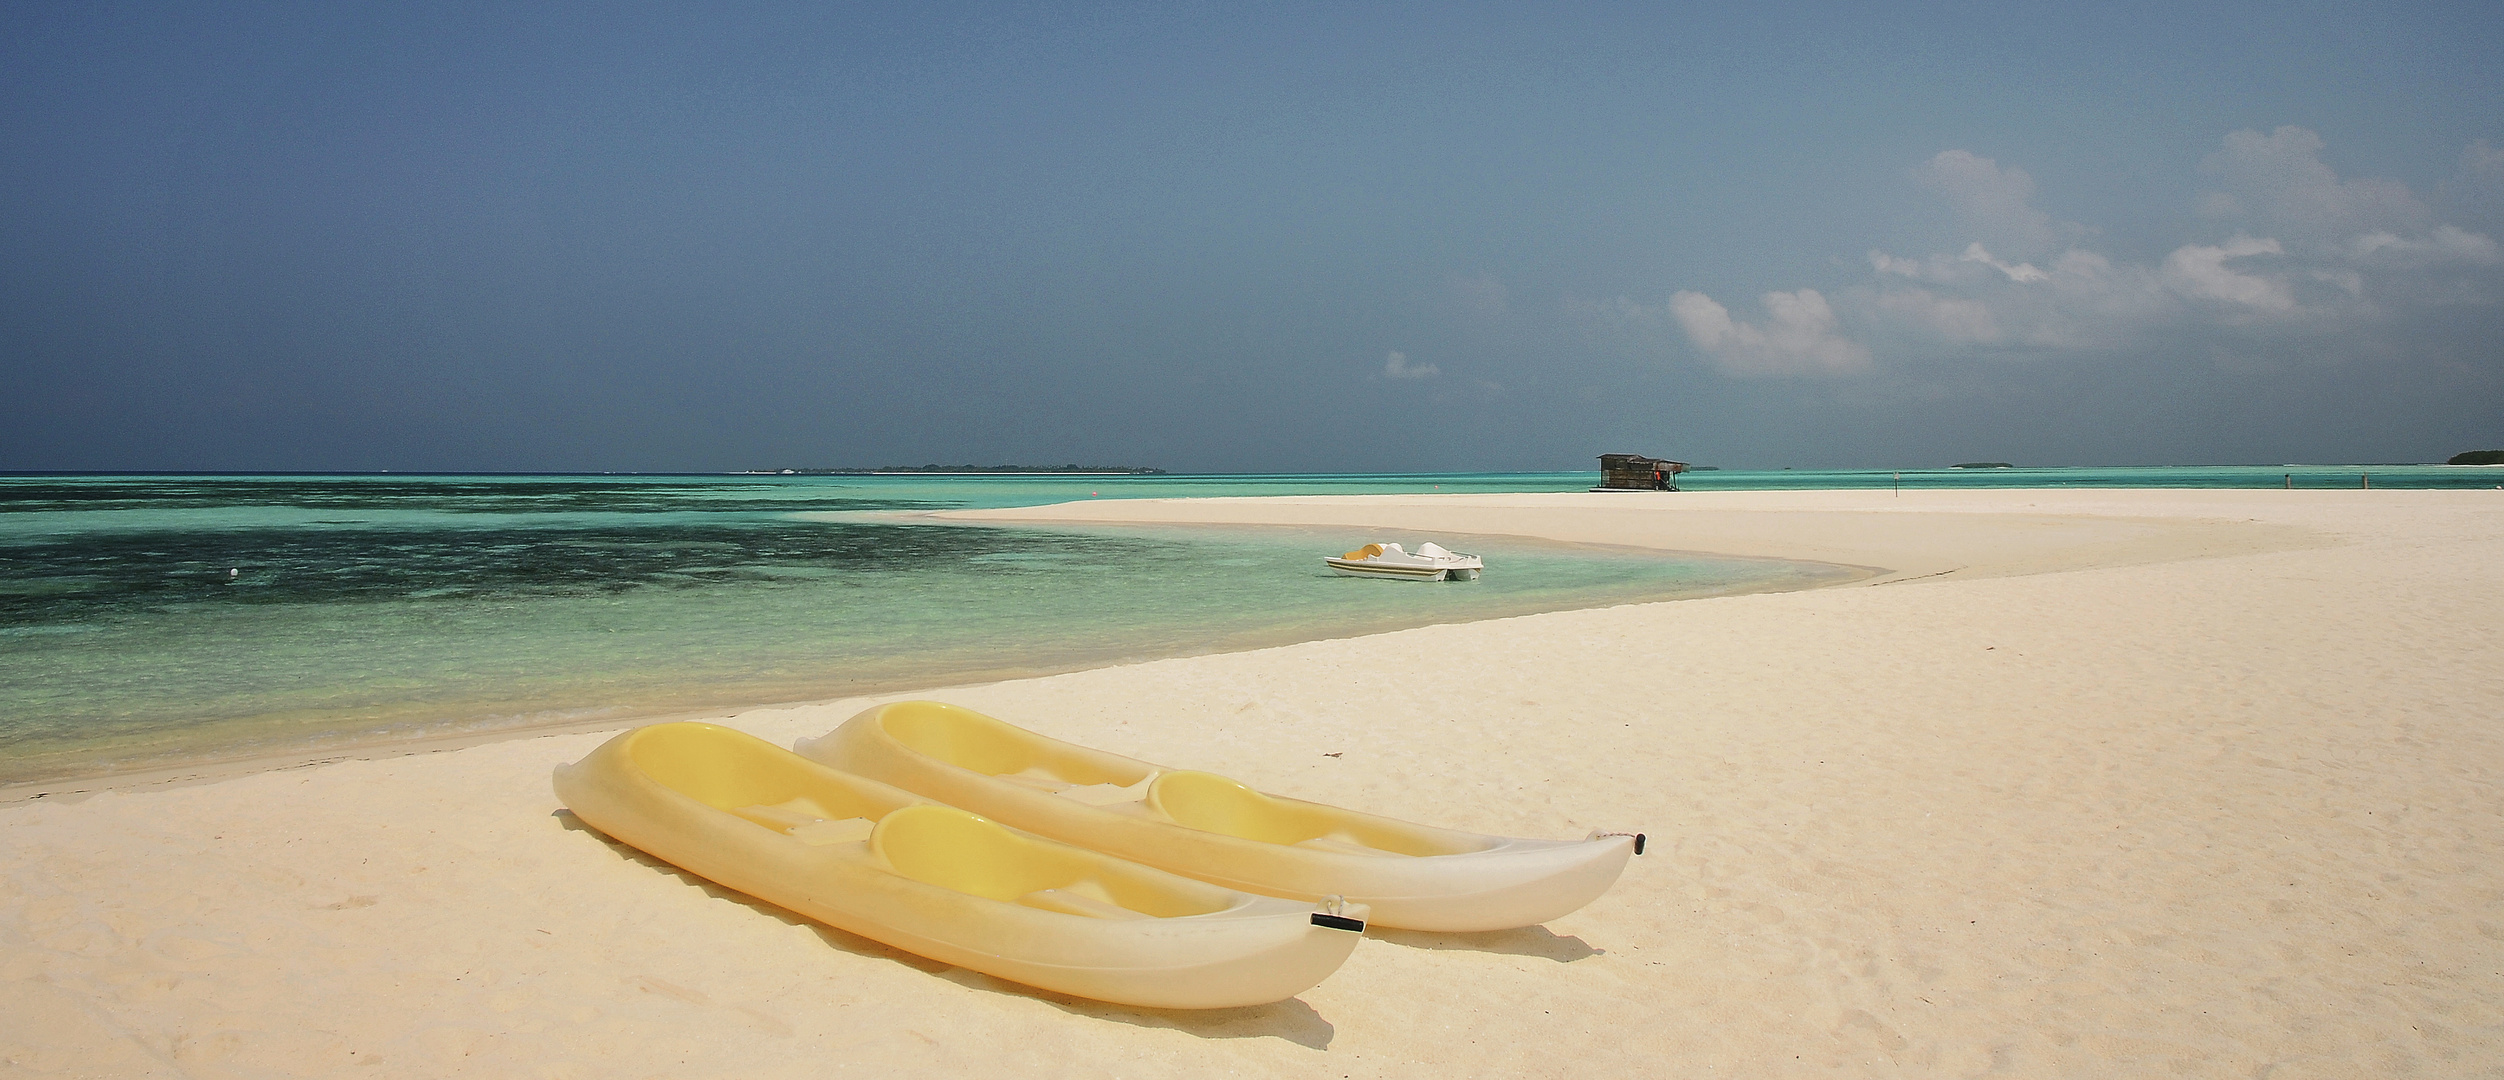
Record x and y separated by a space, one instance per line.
178 769
1729 528
2201 783
2007 531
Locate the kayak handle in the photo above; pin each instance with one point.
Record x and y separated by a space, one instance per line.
1596 834
1331 915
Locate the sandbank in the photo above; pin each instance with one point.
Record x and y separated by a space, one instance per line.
2080 783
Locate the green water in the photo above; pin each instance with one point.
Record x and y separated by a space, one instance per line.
146 619
152 619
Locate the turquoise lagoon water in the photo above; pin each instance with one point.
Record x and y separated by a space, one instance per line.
148 619
153 618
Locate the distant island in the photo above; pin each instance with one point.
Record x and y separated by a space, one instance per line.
2478 457
1073 470
1982 465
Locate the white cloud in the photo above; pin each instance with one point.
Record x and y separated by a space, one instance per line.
2200 271
2021 273
2355 253
1799 338
2083 300
1889 264
2483 161
2476 189
1996 203
2362 257
2374 243
1966 322
2346 281
1974 266
2280 181
2482 171
2458 243
1396 366
2446 243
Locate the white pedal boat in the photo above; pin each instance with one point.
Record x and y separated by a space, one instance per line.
1430 562
1205 826
936 880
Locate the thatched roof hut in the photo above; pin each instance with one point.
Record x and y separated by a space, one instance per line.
1634 472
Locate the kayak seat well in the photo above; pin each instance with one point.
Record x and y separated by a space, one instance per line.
1108 794
1212 803
971 740
965 852
784 816
803 819
733 771
1341 843
1076 900
1087 794
1038 780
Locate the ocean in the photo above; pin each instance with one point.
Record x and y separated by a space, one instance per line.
149 620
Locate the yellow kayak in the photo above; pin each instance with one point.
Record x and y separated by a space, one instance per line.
1217 830
944 883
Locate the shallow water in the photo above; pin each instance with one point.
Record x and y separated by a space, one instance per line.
147 619
151 619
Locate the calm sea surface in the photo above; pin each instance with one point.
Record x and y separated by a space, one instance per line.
146 619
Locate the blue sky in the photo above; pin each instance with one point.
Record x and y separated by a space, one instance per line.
1433 236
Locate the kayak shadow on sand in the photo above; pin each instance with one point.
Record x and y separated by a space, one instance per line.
1518 941
1292 1019
841 939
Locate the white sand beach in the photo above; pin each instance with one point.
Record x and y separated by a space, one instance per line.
2081 783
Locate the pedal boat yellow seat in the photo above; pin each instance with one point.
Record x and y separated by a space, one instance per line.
1412 876
947 884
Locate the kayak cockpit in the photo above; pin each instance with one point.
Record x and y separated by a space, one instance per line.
732 772
968 853
1212 803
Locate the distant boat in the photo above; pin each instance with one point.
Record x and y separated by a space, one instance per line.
1430 562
